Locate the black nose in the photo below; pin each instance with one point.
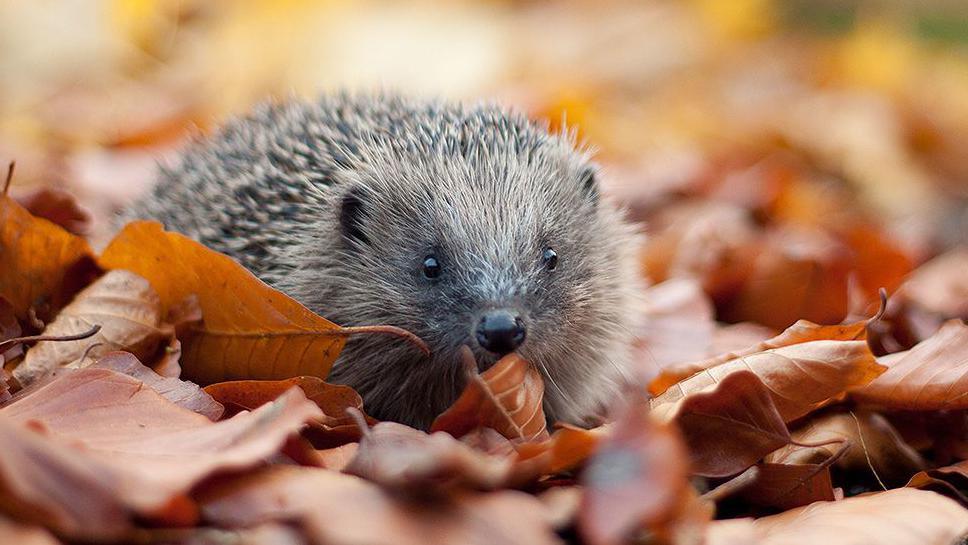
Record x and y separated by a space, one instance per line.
500 331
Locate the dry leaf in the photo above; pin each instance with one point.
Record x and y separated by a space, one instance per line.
931 376
507 398
637 479
728 425
901 517
869 438
952 481
800 332
787 486
940 286
340 509
335 427
799 274
90 449
800 377
59 207
567 448
678 326
122 304
43 265
399 457
182 393
250 330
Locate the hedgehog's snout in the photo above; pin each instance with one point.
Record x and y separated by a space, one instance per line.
501 331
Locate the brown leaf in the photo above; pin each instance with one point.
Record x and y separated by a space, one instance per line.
931 376
91 448
800 377
43 265
787 486
339 509
940 286
335 427
677 326
182 393
799 274
567 448
800 332
637 479
869 438
507 398
125 307
728 425
952 481
59 207
399 457
250 330
901 517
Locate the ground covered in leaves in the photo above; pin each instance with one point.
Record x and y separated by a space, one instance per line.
803 365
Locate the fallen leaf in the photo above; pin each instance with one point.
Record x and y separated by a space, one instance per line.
677 326
339 509
122 304
59 207
250 330
800 332
402 458
787 486
952 481
799 274
182 393
567 448
335 427
637 479
43 265
940 286
90 449
507 398
870 441
800 377
931 376
728 425
903 516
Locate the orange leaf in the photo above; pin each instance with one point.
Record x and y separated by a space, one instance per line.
800 377
800 332
728 425
335 427
43 265
507 397
249 331
931 376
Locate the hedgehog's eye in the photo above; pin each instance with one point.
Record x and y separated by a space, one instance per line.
550 259
431 267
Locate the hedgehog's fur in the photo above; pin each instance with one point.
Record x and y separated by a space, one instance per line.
485 190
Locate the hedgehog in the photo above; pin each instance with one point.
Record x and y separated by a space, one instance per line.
465 224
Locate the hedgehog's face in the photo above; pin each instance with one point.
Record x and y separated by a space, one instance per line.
509 257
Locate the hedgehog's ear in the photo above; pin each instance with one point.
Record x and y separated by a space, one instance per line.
351 214
589 182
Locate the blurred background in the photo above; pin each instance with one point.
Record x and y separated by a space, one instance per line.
822 143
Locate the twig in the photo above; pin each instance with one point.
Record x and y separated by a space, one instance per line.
32 338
